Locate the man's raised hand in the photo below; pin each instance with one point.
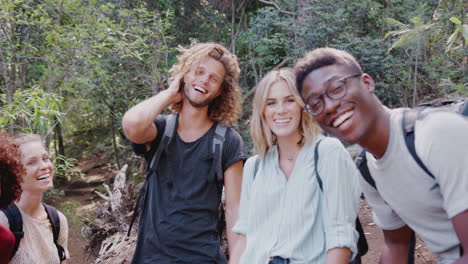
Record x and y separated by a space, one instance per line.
175 88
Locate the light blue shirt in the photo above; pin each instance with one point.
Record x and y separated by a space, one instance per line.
293 218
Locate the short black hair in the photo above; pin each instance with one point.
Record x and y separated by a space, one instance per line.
322 57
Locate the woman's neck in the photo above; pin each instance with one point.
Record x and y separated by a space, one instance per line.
31 204
289 147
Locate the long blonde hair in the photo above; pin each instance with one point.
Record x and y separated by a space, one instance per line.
226 107
262 137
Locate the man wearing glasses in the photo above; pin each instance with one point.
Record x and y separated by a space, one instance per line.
341 98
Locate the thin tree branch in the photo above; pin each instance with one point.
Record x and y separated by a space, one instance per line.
277 7
252 91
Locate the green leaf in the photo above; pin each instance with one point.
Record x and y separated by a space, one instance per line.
455 20
452 37
416 20
465 33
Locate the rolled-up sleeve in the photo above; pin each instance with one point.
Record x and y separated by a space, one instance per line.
241 225
341 195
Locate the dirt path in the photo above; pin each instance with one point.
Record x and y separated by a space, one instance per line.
80 201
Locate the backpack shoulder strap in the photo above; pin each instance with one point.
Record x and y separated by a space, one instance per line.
15 220
316 157
464 108
168 133
218 142
217 151
361 163
257 163
408 125
54 219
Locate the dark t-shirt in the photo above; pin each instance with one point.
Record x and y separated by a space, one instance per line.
180 213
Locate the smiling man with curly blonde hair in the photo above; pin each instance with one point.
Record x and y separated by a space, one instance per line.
180 211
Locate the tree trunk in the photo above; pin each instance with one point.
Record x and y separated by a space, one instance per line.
415 73
59 133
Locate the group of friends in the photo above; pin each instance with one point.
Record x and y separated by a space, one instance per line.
296 200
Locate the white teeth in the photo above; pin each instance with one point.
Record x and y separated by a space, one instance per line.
342 118
282 121
43 177
201 90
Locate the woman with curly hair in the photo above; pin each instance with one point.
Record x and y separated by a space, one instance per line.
11 172
38 244
205 97
294 208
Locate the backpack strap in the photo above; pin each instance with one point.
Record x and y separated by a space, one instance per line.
168 133
257 163
15 220
218 142
54 219
361 163
408 125
464 108
316 156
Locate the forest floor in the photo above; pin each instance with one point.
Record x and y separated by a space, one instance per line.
82 197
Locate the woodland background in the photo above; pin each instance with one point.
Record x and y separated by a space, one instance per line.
69 69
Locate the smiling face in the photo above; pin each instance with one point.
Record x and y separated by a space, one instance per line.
282 113
39 168
350 117
203 84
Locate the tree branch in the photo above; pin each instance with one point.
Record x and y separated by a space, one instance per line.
277 7
252 91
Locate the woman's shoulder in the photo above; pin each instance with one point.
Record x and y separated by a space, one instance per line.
252 162
329 143
63 218
325 144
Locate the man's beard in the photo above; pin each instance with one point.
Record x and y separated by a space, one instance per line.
201 104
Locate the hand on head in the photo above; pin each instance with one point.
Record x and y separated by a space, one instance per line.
176 87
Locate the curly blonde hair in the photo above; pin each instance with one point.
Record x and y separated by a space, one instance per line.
226 107
262 137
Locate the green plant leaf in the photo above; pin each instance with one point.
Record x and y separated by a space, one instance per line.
455 20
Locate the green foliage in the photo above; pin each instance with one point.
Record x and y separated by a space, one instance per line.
268 38
53 195
64 167
89 61
409 36
33 110
69 209
460 33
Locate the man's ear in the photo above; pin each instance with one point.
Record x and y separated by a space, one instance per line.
368 82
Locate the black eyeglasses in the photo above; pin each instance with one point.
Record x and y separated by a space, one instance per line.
335 90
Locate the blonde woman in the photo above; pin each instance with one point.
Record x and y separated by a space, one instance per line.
37 245
284 215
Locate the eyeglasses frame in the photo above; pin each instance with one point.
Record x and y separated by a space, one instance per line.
321 96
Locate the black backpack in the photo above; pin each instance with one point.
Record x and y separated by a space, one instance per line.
217 150
15 220
362 245
408 123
